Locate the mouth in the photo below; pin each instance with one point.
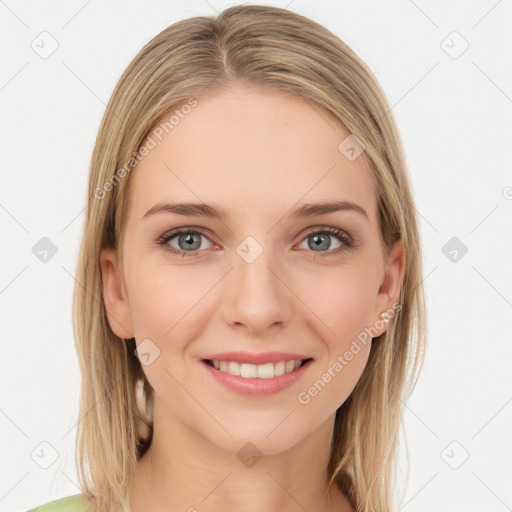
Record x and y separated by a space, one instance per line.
257 371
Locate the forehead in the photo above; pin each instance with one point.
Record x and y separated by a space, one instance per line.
251 151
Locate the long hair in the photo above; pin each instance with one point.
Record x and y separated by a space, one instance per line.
278 50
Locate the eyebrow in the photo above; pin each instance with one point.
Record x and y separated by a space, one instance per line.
206 210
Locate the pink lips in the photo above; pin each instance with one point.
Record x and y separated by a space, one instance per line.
256 387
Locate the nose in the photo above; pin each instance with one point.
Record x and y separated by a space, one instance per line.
257 295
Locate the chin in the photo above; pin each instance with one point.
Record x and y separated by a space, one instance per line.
260 438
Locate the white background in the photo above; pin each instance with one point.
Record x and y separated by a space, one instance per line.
455 117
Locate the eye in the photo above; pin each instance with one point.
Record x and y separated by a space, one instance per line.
188 241
320 239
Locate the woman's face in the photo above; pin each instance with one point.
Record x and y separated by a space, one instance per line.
261 279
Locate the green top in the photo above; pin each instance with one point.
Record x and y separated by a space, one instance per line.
68 504
74 503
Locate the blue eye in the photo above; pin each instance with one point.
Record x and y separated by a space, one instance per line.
321 239
188 238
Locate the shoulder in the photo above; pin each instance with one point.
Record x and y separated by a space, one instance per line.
73 503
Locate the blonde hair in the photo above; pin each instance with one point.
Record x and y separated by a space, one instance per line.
281 51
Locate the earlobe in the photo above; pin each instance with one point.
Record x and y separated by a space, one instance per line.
389 292
114 295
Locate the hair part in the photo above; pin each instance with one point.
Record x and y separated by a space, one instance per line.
277 50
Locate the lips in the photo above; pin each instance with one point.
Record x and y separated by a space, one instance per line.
256 358
257 380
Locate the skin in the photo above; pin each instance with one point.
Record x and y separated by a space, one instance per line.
257 154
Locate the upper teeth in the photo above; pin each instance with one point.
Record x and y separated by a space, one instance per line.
261 371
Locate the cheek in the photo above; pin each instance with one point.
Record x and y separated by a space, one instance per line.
343 309
164 298
164 302
341 302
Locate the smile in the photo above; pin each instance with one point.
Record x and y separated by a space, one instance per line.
259 371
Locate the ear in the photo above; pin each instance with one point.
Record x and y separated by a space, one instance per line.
114 295
389 290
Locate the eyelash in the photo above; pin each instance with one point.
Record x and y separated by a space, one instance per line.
348 242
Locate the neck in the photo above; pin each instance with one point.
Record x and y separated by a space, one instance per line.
183 471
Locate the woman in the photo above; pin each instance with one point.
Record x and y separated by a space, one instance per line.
249 311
